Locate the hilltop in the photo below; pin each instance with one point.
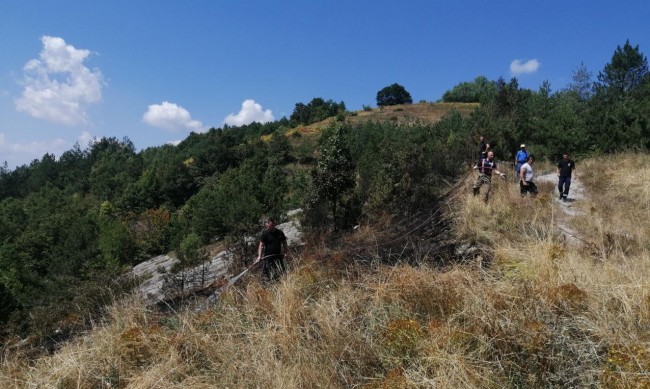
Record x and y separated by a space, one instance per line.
401 114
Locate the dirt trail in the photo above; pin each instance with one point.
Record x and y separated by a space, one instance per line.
568 208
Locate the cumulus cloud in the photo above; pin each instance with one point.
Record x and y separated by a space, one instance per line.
171 117
58 87
519 66
250 112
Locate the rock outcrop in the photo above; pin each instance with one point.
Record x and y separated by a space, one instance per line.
158 283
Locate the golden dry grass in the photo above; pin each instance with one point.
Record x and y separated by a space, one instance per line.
427 113
408 113
536 312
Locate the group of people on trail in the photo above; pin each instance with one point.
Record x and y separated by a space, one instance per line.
523 171
273 247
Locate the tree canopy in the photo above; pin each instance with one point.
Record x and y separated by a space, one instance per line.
481 89
626 72
393 95
315 111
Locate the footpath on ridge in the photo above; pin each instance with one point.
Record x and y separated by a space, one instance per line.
568 209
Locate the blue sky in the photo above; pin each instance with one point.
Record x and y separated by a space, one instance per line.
154 71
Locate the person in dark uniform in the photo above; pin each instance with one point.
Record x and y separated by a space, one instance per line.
271 251
485 168
565 169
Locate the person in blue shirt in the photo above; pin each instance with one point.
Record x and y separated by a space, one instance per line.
520 158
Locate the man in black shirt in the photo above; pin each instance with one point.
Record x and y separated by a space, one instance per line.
565 169
273 246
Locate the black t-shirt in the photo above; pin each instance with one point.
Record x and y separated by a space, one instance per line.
273 241
566 167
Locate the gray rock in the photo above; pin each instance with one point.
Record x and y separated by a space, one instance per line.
294 212
157 283
292 231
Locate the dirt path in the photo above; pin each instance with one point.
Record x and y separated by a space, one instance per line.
568 208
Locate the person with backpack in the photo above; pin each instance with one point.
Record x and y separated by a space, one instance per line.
565 169
520 158
271 251
485 168
526 184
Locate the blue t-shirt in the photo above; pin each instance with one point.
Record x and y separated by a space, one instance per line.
522 156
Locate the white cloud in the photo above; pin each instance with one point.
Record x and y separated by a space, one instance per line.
17 154
518 66
250 112
85 138
57 85
171 117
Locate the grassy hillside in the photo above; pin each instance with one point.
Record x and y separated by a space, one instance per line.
521 307
426 113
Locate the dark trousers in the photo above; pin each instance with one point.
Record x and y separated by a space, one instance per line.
272 267
530 188
563 185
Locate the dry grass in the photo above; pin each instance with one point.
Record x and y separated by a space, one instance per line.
536 312
427 113
409 113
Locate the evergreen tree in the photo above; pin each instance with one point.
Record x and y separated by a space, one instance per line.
333 176
582 84
627 71
618 112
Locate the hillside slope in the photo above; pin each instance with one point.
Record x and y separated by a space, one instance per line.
426 113
519 308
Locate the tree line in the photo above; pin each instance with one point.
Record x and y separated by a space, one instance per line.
602 115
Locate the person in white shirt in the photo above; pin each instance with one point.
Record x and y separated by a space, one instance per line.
526 184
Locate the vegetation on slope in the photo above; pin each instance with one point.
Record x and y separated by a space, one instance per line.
534 312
